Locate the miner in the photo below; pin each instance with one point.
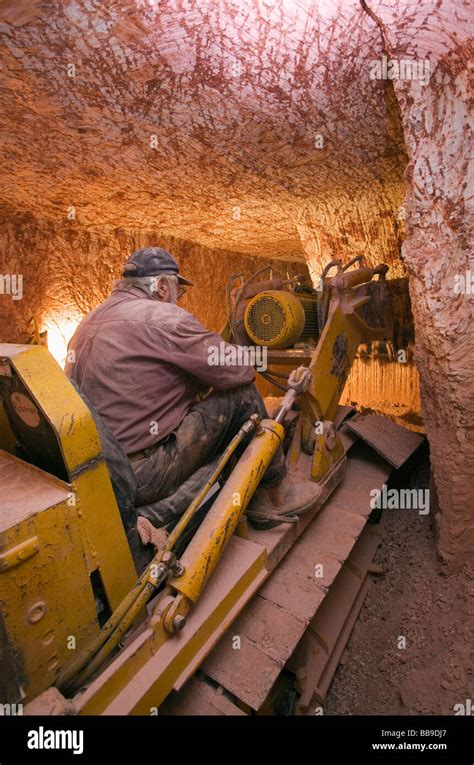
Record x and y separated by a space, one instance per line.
144 363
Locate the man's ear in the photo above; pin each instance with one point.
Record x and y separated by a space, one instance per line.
162 288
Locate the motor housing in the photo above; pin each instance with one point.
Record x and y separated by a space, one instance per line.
280 318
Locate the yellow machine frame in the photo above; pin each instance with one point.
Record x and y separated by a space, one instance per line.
143 673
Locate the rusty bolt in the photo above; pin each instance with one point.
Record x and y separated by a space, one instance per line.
179 622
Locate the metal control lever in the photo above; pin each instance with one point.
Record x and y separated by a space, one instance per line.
298 382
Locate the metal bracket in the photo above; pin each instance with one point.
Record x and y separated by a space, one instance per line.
16 555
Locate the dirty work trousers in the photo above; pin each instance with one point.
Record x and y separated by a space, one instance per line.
198 441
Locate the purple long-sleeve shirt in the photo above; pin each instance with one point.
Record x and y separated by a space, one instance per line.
141 363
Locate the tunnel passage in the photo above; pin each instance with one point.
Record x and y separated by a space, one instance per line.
236 132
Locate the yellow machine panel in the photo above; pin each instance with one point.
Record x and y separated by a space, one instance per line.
41 561
63 545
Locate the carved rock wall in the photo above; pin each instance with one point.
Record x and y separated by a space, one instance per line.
67 271
437 251
250 129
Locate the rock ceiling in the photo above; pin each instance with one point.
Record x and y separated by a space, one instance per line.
245 125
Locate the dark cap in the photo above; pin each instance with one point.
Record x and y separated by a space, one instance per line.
153 261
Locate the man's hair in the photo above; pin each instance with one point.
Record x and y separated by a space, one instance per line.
145 283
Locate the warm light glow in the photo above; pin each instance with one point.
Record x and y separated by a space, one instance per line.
60 330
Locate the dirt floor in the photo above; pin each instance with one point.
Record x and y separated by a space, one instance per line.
415 599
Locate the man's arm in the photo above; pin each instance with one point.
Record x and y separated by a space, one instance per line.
207 357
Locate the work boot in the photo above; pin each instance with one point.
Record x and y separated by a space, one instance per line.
297 499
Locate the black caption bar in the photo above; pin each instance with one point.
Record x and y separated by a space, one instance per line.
366 739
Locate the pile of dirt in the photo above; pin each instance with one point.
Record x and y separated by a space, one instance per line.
413 599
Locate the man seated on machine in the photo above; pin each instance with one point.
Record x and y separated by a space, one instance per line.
143 362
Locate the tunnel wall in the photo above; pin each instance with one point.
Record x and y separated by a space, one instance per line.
438 246
67 270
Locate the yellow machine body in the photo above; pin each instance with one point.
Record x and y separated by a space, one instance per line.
286 323
142 678
61 536
41 561
203 552
59 544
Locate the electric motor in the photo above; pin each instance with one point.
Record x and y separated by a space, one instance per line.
279 319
